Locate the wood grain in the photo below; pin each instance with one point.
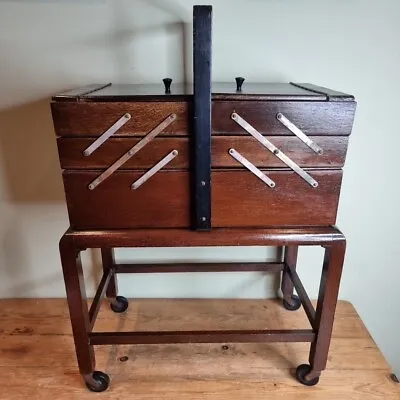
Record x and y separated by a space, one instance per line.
113 204
93 119
273 236
40 363
163 201
312 117
240 199
71 152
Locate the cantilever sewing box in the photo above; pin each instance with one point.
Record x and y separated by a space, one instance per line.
207 164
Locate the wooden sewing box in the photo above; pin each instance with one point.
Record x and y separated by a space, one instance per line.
230 164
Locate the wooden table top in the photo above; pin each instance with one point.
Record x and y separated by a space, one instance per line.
37 357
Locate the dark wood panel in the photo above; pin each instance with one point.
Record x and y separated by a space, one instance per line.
142 92
334 147
313 118
219 336
197 267
179 92
93 119
75 94
273 236
332 95
263 92
240 199
71 152
163 201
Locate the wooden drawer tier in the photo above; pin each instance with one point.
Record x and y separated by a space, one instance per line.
314 118
162 202
71 152
93 119
239 199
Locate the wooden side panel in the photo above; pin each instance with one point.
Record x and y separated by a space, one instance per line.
71 152
161 202
93 119
240 199
312 117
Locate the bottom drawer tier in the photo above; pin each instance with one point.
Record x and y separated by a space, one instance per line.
239 199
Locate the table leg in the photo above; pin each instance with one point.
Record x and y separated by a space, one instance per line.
290 301
117 303
107 256
326 306
77 303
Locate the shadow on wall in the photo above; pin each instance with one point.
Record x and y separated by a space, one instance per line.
32 176
29 155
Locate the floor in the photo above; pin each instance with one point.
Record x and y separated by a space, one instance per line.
37 359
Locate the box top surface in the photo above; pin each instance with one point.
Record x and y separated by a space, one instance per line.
220 91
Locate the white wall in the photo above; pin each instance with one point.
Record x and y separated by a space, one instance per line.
349 45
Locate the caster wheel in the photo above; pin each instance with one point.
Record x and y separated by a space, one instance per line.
302 371
292 307
120 304
99 383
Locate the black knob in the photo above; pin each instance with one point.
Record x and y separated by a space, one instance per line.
167 84
239 83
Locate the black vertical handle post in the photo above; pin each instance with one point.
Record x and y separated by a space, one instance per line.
202 20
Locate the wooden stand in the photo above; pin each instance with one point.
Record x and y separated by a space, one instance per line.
212 166
321 319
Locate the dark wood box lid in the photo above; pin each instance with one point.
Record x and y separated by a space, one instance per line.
220 91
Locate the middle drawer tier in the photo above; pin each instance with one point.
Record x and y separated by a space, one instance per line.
72 157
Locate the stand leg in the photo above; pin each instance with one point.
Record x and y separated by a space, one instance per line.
77 303
107 256
96 381
290 301
118 304
325 312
